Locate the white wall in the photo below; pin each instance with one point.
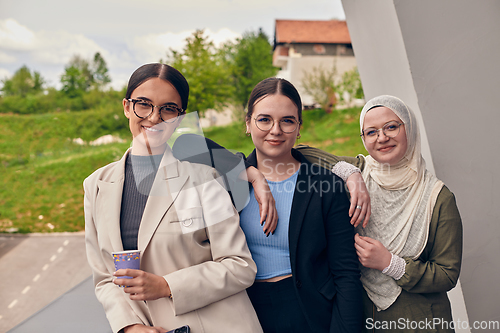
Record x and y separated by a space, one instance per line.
442 58
297 65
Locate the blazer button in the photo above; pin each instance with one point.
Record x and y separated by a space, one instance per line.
298 283
187 222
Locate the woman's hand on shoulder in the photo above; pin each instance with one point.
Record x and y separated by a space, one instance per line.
139 328
371 253
143 286
265 199
359 198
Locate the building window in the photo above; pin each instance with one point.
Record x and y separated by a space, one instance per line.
319 49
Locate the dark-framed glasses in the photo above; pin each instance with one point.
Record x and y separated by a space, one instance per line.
265 123
144 109
390 130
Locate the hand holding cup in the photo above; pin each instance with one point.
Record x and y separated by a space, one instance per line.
127 259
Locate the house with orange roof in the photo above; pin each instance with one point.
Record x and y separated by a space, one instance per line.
300 46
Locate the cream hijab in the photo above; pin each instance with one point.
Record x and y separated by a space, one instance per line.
402 198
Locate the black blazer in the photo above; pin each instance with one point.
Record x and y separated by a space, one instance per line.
323 259
324 263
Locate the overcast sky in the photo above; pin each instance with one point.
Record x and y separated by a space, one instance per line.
44 34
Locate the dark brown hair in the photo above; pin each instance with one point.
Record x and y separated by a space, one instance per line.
274 86
164 72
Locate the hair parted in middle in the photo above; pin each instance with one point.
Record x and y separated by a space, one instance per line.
164 72
274 86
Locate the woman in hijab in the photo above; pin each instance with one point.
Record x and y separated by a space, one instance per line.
411 249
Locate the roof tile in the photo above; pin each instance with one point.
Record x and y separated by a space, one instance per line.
299 31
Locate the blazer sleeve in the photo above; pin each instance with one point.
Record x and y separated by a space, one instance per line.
347 315
198 149
119 309
231 269
327 160
438 268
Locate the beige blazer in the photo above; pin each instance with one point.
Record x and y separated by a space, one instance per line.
189 234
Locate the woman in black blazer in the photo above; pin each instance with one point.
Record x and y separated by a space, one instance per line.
307 269
324 277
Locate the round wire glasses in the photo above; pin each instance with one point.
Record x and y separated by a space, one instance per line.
265 123
390 130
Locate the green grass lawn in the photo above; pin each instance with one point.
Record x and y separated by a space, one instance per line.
42 170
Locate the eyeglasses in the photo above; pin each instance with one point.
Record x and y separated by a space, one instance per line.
265 123
390 130
144 110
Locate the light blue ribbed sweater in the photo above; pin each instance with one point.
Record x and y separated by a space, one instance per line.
271 254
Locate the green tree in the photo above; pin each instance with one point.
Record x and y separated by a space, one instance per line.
206 70
100 73
321 84
23 82
84 67
80 75
328 89
38 82
350 87
74 82
252 57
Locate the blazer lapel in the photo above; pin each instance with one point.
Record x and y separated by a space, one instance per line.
108 202
251 160
166 187
300 202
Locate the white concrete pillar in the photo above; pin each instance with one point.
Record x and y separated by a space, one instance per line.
442 58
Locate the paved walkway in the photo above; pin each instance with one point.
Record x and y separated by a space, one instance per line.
35 270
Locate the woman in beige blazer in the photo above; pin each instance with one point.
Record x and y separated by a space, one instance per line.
195 264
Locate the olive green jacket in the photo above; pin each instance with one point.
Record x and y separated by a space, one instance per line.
423 301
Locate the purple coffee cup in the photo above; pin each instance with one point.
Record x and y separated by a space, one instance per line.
127 259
